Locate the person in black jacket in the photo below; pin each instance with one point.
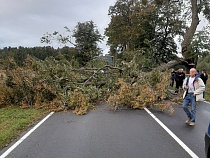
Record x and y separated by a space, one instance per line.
172 78
179 77
204 77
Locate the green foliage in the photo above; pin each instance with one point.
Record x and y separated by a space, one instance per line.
204 64
20 54
144 26
86 37
151 93
205 8
79 102
199 46
51 83
55 84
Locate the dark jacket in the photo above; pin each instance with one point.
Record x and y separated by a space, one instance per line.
173 74
204 78
180 76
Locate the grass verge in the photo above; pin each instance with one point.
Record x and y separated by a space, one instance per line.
14 120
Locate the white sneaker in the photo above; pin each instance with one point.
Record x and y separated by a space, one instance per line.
192 124
187 121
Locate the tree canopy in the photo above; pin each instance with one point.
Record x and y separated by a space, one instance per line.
84 38
150 27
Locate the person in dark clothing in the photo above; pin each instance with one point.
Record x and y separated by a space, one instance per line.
204 77
179 77
172 78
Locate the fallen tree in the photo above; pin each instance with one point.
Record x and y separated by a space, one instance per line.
54 84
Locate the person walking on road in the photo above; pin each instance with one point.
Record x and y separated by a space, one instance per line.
193 91
204 77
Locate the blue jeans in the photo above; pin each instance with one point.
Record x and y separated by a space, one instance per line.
204 92
190 98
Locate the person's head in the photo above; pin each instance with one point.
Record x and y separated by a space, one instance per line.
193 72
180 70
203 71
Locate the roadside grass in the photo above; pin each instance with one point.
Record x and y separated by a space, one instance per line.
14 120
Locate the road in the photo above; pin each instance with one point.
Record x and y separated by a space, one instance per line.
123 134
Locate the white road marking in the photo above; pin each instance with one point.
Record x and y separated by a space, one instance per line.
8 151
190 152
206 102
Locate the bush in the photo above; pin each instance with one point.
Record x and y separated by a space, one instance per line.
142 95
79 102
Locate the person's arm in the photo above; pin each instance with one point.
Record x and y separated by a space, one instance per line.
183 76
184 84
201 87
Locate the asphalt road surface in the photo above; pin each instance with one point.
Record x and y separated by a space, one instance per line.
123 134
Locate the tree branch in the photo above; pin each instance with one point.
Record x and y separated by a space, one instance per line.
95 71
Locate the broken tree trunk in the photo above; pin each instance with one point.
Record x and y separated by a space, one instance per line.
190 62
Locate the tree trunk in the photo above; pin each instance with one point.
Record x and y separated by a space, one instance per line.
189 35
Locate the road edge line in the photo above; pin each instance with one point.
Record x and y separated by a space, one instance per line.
206 102
8 151
187 149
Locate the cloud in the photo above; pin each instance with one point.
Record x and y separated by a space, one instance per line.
23 22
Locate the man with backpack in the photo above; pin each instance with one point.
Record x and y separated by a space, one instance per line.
194 88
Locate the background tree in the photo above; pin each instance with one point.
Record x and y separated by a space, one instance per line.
167 26
84 38
118 31
146 27
199 47
194 8
150 26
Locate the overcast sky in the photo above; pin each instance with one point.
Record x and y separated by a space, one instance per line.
23 22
